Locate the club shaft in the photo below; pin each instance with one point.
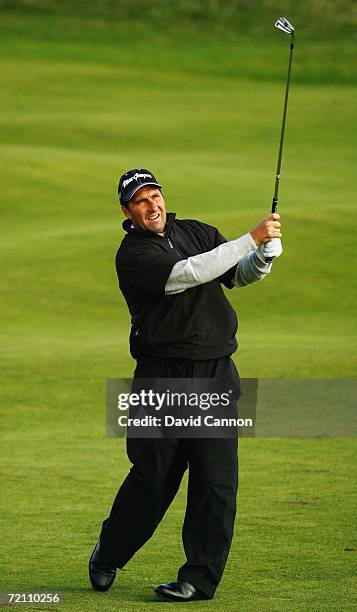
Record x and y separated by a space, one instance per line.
277 177
274 206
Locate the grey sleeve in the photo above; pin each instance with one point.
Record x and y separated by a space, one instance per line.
205 267
251 268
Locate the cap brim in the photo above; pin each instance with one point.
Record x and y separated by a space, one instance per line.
133 192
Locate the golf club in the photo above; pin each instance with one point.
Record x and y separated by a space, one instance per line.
283 24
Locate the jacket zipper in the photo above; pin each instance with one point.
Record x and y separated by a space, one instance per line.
172 246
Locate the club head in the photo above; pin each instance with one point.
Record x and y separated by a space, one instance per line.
283 24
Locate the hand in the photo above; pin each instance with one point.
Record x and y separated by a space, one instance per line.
267 229
271 249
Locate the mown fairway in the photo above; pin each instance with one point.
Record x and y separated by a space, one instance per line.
74 116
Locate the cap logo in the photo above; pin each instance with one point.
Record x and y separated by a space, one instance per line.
135 178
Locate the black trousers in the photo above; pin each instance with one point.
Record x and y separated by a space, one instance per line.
154 479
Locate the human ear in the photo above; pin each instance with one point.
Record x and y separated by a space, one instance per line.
126 211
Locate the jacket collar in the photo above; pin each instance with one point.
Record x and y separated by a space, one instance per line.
130 229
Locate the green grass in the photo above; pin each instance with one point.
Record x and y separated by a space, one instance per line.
314 18
166 50
204 115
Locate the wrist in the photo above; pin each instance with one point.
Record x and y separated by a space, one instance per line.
255 238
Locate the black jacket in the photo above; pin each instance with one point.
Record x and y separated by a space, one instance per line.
198 323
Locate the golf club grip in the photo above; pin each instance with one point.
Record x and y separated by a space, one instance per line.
274 208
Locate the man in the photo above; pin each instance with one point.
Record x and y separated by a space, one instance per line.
171 273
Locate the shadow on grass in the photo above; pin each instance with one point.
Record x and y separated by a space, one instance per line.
120 594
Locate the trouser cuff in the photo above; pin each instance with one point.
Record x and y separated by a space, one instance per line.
200 581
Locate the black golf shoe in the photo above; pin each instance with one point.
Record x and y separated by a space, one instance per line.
101 571
178 591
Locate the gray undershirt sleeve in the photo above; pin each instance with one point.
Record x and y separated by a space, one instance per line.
205 267
251 268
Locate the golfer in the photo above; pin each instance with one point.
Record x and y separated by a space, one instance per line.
171 273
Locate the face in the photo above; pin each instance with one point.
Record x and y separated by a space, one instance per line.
146 210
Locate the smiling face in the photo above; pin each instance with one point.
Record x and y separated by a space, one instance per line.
146 210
